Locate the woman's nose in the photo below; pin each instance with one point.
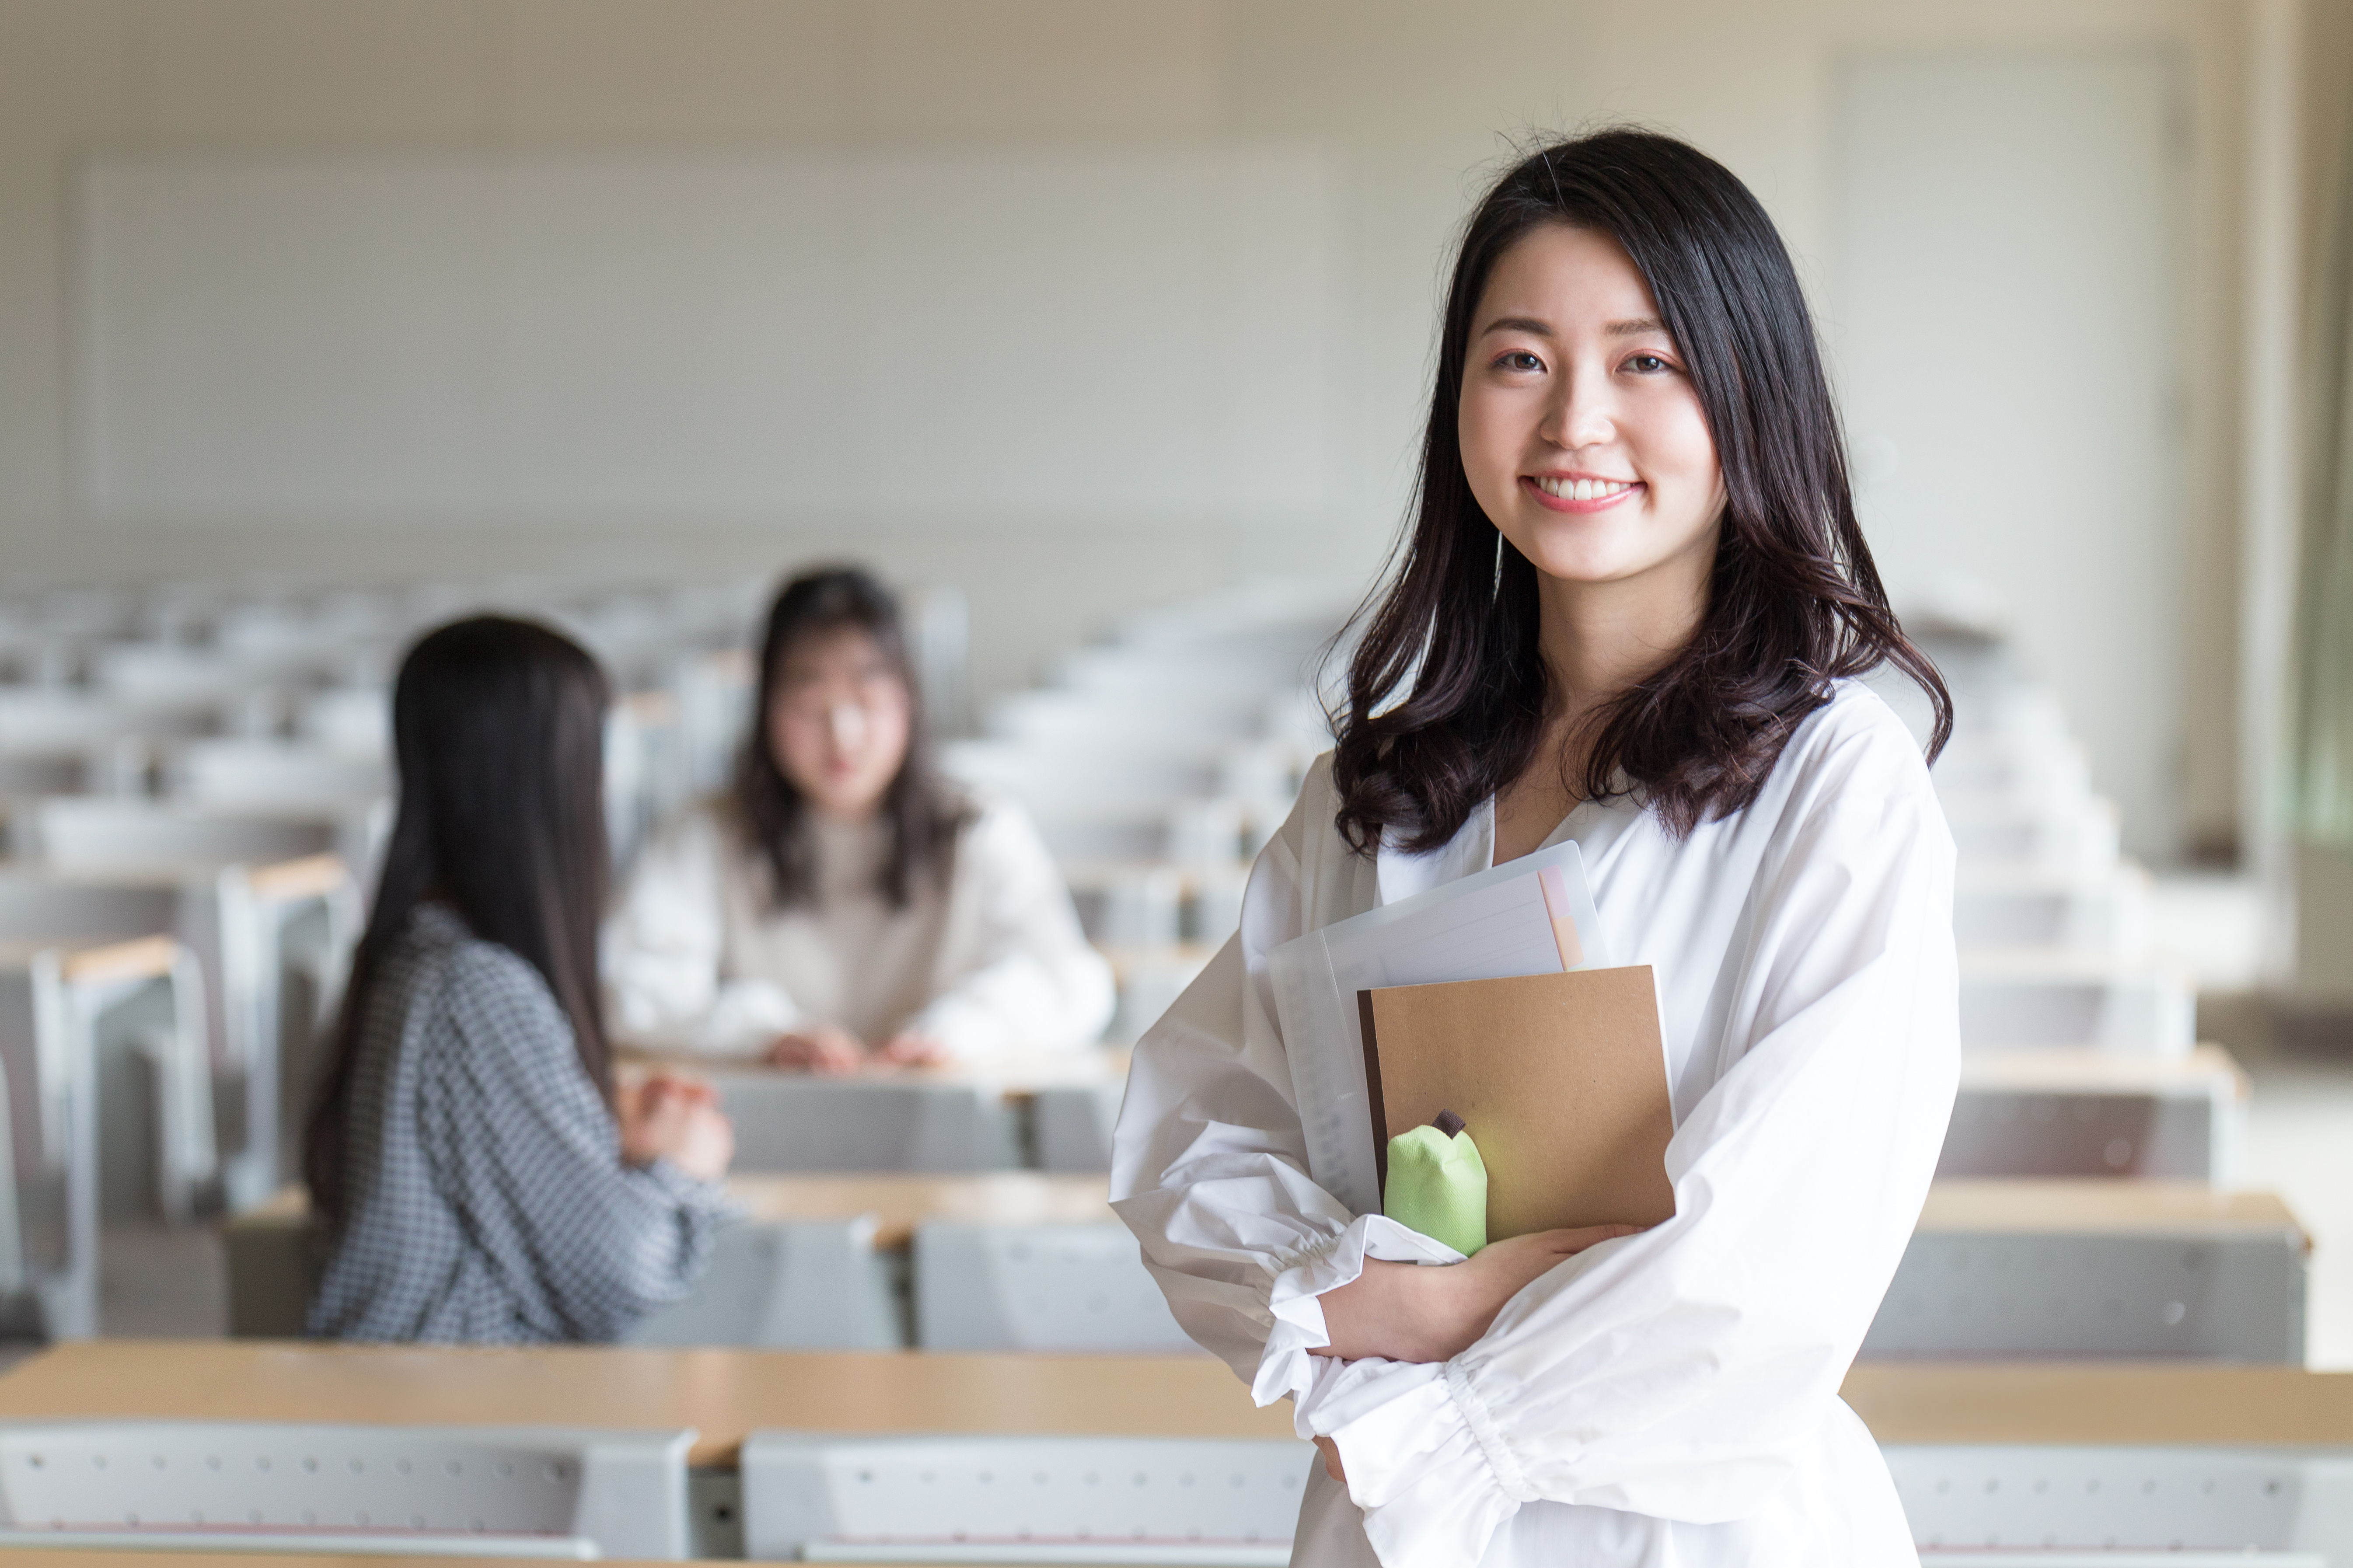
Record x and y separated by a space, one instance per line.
1579 413
848 724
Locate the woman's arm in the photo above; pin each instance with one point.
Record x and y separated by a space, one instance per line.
1033 983
1209 1165
1670 1373
530 1157
1410 1312
662 947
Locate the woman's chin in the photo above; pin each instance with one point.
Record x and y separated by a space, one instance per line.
1589 550
1587 561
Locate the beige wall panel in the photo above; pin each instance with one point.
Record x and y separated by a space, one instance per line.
661 71
281 71
61 69
961 68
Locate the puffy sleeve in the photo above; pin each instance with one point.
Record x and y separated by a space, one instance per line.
1209 1160
1031 980
529 1156
663 946
1672 1374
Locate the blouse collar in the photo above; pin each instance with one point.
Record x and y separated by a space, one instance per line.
1403 873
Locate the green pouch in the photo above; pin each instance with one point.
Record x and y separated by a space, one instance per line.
1438 1185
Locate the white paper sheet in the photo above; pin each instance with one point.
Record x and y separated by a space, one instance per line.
1493 926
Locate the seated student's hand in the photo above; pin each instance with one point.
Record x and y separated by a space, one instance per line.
706 1144
673 1117
911 1050
820 1047
1412 1312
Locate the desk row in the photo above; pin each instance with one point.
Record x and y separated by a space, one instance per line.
1025 1261
1016 1459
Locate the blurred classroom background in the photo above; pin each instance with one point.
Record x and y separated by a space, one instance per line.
1102 330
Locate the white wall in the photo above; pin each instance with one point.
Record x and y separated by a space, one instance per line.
1000 335
1398 105
2010 236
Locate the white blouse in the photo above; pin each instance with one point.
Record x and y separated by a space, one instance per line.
696 957
1666 1399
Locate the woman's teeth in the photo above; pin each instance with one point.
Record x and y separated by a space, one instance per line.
1583 489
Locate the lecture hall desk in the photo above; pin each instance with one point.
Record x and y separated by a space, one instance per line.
723 1393
726 1393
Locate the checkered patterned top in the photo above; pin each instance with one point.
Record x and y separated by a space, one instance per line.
487 1201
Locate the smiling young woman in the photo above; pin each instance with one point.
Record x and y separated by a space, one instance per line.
1630 611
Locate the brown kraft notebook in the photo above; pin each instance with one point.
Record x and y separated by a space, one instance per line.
1560 1079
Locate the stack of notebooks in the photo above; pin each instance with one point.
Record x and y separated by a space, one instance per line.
1492 998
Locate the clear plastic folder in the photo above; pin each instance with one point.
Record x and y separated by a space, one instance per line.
1532 916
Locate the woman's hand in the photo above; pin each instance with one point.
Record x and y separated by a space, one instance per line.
912 1050
673 1117
1410 1311
819 1048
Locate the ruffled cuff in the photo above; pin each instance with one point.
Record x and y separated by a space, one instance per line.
1423 1459
1286 1368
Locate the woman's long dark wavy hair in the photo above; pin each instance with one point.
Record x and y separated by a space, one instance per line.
923 814
1794 603
498 726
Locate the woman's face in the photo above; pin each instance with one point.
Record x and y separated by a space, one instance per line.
838 724
1581 432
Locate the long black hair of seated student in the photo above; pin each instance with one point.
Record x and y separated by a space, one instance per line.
1448 692
498 726
921 814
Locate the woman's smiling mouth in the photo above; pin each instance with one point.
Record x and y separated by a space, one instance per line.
1579 493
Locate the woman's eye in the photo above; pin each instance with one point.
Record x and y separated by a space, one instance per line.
1646 364
1520 358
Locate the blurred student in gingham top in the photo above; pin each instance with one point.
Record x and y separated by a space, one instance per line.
482 1177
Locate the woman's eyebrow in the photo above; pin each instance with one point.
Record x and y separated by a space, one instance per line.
1528 325
1535 328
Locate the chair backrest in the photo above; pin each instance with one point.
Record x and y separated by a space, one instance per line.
355 721
2056 1506
1149 983
989 1286
1122 904
62 770
714 696
2179 1295
275 775
623 1492
2147 1009
34 717
2105 911
90 832
36 906
794 1122
275 1253
805 1285
1097 1499
2084 834
1070 1125
1980 761
173 672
